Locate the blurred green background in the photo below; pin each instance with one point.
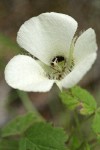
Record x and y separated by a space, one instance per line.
13 13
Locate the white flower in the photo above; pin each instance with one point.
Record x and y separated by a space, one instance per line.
61 57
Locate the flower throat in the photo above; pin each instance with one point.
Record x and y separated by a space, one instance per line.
60 67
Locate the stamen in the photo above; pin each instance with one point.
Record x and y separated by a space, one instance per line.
60 67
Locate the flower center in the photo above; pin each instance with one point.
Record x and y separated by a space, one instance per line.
57 60
60 67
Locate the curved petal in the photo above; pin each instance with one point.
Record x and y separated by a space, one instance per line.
47 35
85 44
79 71
24 73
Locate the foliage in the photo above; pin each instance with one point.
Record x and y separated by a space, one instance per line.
96 123
33 135
19 125
80 99
43 136
31 131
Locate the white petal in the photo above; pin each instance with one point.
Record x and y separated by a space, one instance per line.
85 44
24 73
79 71
47 35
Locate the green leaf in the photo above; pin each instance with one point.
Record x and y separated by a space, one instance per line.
87 101
70 101
8 144
19 125
79 98
96 123
42 136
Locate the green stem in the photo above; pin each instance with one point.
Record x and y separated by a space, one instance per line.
86 119
27 103
25 100
77 122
